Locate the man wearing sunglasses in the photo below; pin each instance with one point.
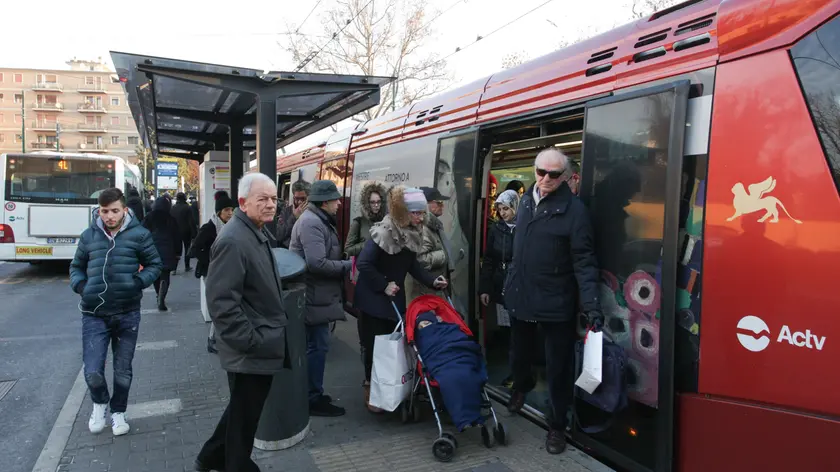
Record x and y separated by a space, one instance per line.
553 268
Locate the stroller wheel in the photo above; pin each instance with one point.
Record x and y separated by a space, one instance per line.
500 434
485 437
444 449
451 437
404 412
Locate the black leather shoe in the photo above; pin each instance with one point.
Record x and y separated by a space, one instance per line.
325 409
555 443
517 401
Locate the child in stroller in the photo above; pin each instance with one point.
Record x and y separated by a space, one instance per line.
453 363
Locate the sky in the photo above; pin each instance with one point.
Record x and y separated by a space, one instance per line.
246 33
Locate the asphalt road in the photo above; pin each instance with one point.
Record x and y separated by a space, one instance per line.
40 350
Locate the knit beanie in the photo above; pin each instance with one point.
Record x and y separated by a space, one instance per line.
224 202
415 199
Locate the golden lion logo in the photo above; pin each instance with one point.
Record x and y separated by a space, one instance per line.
755 200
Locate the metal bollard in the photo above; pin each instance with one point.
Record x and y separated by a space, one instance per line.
285 417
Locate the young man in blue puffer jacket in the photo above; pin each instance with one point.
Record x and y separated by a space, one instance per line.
105 273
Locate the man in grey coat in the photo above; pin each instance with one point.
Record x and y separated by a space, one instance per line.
315 239
243 297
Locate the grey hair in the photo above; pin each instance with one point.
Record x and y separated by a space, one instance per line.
301 186
553 152
248 180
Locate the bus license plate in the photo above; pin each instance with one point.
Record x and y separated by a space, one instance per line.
61 240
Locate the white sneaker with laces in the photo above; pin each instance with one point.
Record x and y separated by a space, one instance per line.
97 418
118 424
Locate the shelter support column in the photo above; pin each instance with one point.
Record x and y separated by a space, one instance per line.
267 135
235 158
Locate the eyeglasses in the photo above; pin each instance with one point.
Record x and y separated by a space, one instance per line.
552 174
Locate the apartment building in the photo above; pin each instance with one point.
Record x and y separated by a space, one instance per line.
83 109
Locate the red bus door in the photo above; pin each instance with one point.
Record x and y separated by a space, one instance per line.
631 173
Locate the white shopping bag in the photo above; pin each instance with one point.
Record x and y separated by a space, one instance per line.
593 350
392 376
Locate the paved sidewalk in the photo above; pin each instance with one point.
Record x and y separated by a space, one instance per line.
179 392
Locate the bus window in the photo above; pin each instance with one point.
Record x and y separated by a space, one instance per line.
816 61
41 179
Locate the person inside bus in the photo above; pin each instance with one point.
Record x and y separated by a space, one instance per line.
291 213
188 226
106 274
517 186
224 207
497 257
492 188
554 266
167 237
372 209
386 258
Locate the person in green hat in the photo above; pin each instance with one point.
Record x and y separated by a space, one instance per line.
315 239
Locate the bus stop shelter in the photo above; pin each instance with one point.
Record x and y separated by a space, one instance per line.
185 109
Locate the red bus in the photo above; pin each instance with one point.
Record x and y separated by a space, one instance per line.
707 139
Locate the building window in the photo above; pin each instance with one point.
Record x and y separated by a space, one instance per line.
115 140
88 80
18 98
18 78
18 118
2 138
89 140
115 101
133 140
115 120
1 76
1 95
18 137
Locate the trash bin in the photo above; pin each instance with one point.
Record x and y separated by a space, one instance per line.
285 417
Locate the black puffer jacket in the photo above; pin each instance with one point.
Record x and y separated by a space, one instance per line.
165 233
497 258
105 273
183 214
136 204
553 259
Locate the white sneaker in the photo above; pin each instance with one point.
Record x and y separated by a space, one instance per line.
97 418
118 424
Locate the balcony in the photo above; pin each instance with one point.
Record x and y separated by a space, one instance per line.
45 146
92 108
100 147
91 88
48 87
92 128
47 106
43 125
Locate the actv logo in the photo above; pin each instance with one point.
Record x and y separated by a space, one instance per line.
759 336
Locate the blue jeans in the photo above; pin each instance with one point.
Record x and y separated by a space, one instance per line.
121 332
317 345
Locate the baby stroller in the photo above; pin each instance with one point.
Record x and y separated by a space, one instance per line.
468 394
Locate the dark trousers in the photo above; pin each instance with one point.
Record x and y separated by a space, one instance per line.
185 240
120 331
164 277
233 440
317 346
559 363
371 328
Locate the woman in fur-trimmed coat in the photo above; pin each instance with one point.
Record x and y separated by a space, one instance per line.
390 254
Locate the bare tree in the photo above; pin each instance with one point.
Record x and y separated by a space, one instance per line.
643 8
514 59
376 37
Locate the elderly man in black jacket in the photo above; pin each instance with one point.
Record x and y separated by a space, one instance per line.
553 267
243 296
